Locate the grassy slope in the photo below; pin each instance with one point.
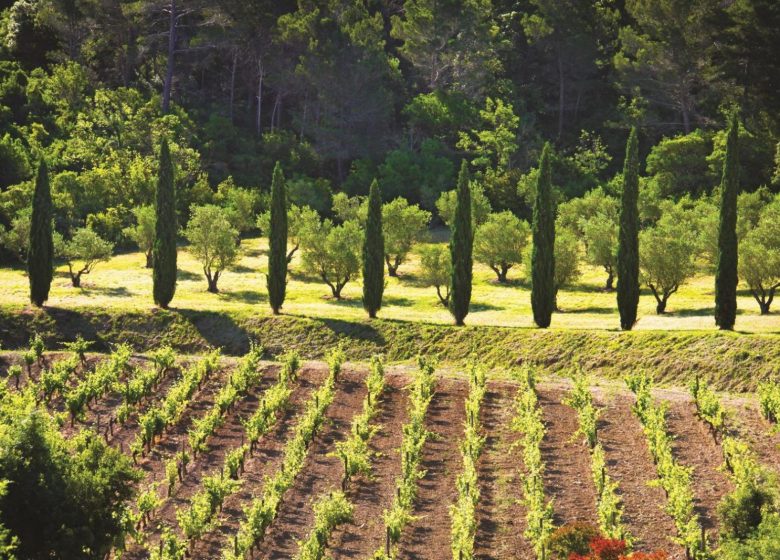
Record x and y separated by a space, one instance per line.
732 361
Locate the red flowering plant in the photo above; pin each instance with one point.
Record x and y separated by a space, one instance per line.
614 549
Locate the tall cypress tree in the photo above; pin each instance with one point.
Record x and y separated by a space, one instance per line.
40 255
543 250
164 250
461 246
277 241
726 275
628 248
373 254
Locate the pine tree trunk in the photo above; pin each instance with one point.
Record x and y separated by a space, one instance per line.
166 97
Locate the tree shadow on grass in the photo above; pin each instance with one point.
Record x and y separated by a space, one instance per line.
243 296
182 274
217 329
482 306
111 291
243 269
596 309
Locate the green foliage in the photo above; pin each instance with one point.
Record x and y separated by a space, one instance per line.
277 242
213 241
300 219
415 434
461 250
417 175
240 203
627 259
726 275
164 250
666 253
403 225
463 511
759 256
543 248
708 406
142 233
332 253
330 511
678 165
500 242
601 245
64 498
572 538
17 237
83 252
762 544
528 421
373 254
40 255
674 478
447 203
567 261
436 270
263 509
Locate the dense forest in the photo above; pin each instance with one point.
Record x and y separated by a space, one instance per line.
342 92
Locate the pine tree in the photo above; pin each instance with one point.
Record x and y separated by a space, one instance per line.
164 252
726 275
373 254
628 248
461 246
543 250
277 241
40 255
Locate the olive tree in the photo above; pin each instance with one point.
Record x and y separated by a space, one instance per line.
239 202
500 242
759 257
17 238
333 253
403 225
142 233
299 220
567 260
480 205
83 252
213 241
600 234
666 259
436 270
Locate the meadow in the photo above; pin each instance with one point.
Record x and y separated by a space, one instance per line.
123 284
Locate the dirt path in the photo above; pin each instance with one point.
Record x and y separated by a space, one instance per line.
429 535
372 496
321 473
500 513
567 476
265 461
695 447
630 464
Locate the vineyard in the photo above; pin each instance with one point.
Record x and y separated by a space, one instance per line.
275 459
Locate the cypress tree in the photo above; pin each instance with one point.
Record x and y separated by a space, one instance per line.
461 245
628 248
164 251
40 255
373 254
726 275
543 249
277 241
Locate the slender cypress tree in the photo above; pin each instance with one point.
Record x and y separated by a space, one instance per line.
543 250
277 241
628 248
164 251
726 275
373 254
461 246
40 255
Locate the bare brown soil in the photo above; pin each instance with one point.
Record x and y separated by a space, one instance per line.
265 461
695 447
761 435
428 536
567 475
371 496
630 464
322 472
500 512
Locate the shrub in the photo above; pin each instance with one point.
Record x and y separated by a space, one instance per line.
740 512
572 538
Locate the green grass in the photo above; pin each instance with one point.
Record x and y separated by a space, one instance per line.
123 284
